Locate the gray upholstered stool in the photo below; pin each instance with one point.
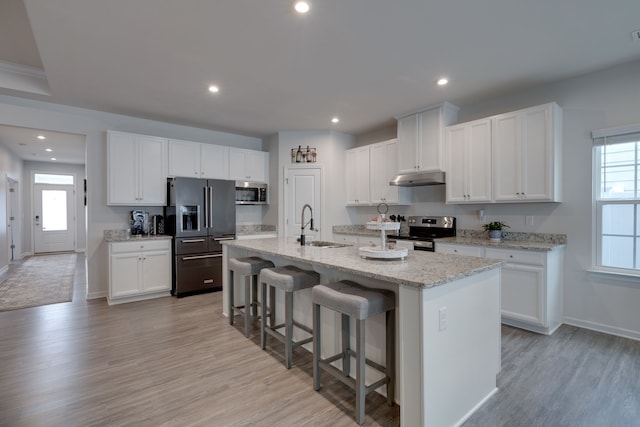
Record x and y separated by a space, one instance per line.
246 267
359 302
288 279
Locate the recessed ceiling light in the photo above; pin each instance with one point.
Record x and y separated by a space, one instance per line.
53 158
214 89
335 120
302 6
42 137
48 150
443 81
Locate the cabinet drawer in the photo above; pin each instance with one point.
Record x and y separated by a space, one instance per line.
516 256
476 251
137 246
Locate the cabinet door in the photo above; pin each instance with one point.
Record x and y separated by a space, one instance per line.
383 168
237 165
362 175
456 146
444 248
478 161
537 151
507 141
522 293
156 271
407 143
430 140
214 161
184 159
124 275
153 172
122 155
256 165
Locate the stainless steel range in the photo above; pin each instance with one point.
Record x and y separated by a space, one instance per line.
424 230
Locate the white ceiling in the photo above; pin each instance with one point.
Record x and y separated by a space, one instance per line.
24 142
365 61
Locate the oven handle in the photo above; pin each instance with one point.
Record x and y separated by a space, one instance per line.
192 241
192 257
218 239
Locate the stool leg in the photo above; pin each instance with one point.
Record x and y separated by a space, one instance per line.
231 298
254 297
288 326
360 364
316 347
391 355
263 320
247 306
346 337
272 305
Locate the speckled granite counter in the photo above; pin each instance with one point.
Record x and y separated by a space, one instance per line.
123 236
506 244
255 229
419 269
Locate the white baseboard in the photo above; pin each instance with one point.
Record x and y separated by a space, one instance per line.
80 251
475 408
599 327
96 295
4 269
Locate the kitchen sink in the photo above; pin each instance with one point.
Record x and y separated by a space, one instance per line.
325 244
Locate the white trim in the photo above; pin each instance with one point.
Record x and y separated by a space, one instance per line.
599 327
25 70
24 78
616 275
618 130
4 269
475 408
96 295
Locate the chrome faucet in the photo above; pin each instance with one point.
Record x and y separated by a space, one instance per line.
303 225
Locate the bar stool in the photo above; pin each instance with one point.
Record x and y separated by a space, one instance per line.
251 267
288 279
353 300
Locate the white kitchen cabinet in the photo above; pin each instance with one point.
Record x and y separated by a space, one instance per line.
531 284
421 138
139 269
136 169
198 160
248 165
468 152
527 155
358 179
383 168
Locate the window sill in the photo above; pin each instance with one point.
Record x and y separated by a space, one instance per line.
616 275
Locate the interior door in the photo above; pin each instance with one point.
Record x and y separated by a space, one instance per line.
303 186
53 218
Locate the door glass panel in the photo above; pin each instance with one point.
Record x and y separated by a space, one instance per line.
54 210
43 178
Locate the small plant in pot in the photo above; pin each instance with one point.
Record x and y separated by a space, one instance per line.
495 230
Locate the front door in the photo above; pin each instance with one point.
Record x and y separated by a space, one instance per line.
303 186
54 218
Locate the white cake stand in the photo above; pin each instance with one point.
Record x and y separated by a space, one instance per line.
382 252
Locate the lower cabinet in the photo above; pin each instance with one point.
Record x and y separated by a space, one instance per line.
139 270
531 284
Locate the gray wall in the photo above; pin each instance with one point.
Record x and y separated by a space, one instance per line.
10 167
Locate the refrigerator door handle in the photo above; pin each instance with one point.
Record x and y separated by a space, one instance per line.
210 203
206 207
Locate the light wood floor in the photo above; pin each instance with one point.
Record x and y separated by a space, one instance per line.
177 362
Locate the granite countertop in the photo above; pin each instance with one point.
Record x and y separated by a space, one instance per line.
504 244
419 269
257 229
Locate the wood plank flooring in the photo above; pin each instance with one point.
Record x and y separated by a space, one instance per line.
177 362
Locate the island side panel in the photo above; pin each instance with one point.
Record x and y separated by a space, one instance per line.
460 352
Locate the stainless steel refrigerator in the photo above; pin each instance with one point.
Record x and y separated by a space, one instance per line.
200 214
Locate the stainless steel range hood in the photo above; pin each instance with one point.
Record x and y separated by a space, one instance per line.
415 179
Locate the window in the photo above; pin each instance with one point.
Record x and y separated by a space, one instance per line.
616 171
44 178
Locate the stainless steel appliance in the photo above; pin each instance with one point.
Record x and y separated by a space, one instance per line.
424 230
157 224
200 214
251 193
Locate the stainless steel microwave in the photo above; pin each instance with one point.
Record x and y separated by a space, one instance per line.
251 193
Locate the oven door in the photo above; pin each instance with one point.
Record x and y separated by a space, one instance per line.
423 245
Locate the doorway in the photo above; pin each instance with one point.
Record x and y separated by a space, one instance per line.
303 185
54 228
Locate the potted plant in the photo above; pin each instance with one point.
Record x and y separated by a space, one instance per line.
495 230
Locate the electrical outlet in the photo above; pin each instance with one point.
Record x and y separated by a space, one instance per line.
528 220
443 321
635 36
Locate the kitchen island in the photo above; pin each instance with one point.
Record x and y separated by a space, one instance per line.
448 317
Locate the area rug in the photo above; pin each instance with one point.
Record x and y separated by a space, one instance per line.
40 280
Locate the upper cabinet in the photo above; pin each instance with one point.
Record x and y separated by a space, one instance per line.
421 138
358 185
527 155
370 168
136 169
197 160
509 158
468 147
248 165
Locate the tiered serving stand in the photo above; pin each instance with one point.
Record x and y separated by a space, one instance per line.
382 251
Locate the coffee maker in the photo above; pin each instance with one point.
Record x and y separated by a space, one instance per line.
139 223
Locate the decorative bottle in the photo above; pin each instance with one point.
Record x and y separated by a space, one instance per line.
299 154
